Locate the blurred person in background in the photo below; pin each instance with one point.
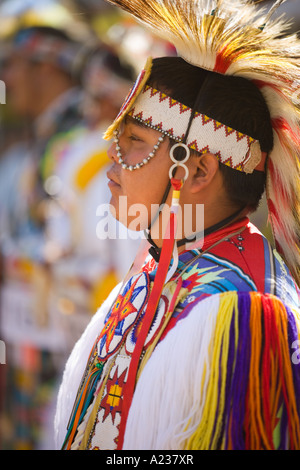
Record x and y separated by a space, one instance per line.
40 89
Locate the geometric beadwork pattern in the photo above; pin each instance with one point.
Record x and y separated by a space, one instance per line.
123 314
163 113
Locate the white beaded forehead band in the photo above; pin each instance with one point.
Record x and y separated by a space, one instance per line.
160 112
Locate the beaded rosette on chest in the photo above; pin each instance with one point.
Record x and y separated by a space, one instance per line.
100 397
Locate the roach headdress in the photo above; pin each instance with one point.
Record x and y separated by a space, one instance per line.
233 37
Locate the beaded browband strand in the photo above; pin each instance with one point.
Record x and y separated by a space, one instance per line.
143 162
161 112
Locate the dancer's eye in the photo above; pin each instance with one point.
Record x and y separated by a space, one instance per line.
134 138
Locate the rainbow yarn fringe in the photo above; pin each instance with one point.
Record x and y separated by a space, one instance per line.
253 394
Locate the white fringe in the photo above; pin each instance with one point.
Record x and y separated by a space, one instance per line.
167 405
75 368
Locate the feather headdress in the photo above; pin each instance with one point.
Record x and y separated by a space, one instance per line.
233 37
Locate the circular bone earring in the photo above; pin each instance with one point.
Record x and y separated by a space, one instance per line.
145 160
180 162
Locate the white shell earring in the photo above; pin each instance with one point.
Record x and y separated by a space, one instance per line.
181 162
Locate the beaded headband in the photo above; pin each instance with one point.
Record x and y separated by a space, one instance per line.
161 112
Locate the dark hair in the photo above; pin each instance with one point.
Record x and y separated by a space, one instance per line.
234 101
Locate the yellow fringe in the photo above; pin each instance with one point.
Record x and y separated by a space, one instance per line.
202 437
